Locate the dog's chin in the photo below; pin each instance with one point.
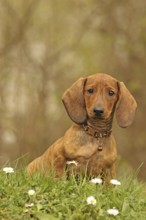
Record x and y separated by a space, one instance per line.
101 117
97 117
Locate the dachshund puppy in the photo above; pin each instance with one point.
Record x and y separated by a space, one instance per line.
91 104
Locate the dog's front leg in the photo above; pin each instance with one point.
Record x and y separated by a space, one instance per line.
59 165
109 174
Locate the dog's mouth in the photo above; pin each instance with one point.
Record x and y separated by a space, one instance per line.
97 117
100 117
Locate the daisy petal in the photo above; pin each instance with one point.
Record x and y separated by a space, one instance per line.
115 182
8 170
113 211
91 200
96 181
31 192
72 162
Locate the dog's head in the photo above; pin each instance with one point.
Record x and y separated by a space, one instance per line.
97 97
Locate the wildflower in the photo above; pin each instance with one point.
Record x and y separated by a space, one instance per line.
91 200
113 211
72 162
31 192
96 181
29 205
115 182
26 211
8 170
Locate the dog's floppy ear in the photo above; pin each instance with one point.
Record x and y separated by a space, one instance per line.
126 106
73 100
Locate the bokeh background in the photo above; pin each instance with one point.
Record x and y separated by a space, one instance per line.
44 47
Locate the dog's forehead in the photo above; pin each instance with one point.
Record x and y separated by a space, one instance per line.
101 79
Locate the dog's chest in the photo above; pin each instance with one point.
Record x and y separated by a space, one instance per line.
90 158
104 157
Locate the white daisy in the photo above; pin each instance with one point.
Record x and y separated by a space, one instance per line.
96 181
29 205
31 192
91 200
115 182
113 211
72 162
8 170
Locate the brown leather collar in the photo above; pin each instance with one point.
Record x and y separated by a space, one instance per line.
96 133
99 135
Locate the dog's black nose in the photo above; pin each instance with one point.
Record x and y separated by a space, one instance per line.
98 110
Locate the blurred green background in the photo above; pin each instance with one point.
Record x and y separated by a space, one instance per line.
45 46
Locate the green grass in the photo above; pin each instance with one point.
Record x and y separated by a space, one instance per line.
66 199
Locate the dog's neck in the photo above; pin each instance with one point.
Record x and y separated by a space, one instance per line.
98 128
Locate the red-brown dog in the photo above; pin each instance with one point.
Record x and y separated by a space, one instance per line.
91 103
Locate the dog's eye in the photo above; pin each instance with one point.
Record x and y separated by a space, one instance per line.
111 93
90 91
